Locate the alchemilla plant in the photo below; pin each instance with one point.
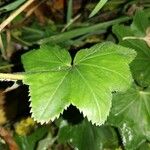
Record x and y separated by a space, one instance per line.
108 83
99 82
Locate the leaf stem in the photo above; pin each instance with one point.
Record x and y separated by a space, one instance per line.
132 38
2 47
69 10
70 22
11 77
6 66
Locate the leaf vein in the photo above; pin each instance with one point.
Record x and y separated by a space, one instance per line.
96 100
104 68
44 110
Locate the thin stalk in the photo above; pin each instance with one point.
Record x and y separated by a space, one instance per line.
133 38
20 40
2 47
81 31
6 66
69 11
11 77
71 22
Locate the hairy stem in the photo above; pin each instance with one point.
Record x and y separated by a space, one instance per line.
11 77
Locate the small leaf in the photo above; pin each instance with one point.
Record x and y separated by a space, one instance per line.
130 112
54 83
129 37
139 27
100 4
85 136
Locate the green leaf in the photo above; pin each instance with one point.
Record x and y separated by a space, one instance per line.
86 136
55 83
100 4
140 66
138 27
29 142
131 113
12 5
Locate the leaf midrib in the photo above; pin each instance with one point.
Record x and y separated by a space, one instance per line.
87 58
95 99
55 91
104 68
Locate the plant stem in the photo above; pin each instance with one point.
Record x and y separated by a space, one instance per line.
69 11
11 77
132 38
2 47
71 22
6 66
81 31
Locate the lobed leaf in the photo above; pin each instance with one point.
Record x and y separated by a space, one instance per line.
55 83
130 112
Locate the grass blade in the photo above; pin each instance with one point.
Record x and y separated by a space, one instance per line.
98 7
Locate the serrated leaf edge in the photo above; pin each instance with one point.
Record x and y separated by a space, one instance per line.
50 119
